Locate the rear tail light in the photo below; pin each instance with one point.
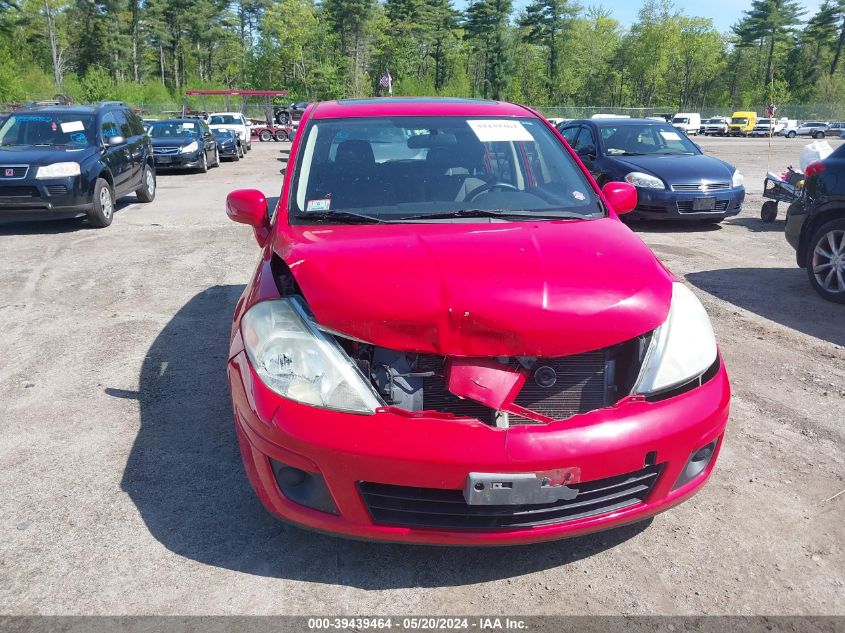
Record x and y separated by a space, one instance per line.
814 169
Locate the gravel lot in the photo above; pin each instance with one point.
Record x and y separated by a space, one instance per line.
123 491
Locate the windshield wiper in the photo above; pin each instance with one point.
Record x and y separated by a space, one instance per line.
494 213
341 217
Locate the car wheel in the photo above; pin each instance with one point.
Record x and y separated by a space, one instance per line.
265 135
203 168
818 135
240 151
790 135
147 192
281 136
769 212
826 261
102 212
236 157
216 157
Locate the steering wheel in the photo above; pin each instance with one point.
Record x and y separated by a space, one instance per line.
489 186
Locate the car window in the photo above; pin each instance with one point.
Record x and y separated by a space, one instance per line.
48 129
122 123
109 125
225 119
585 140
393 167
569 134
135 123
645 138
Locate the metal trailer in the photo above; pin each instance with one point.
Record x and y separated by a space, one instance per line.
264 131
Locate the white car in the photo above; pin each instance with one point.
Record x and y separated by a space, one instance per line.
789 129
688 122
715 126
815 129
234 121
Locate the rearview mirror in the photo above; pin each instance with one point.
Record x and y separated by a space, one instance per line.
249 206
621 196
114 141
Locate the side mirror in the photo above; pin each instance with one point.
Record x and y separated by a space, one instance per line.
621 196
249 206
115 141
587 152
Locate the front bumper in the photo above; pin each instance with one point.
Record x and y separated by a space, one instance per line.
32 199
665 204
227 151
427 452
178 161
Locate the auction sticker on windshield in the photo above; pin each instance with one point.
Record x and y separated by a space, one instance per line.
492 131
318 205
670 136
72 126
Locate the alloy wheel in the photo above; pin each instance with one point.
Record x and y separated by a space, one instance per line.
150 182
829 261
106 203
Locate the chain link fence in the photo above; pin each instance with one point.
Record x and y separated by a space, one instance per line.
801 112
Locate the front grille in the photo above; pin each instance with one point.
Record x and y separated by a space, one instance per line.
580 386
685 206
13 172
165 150
706 186
56 190
446 509
18 192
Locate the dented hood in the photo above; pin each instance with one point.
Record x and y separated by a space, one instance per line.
499 289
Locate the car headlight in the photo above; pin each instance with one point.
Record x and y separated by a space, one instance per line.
644 181
190 147
681 349
738 179
58 170
293 358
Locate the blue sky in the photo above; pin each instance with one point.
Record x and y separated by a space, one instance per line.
723 12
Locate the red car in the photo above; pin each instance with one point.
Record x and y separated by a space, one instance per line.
451 337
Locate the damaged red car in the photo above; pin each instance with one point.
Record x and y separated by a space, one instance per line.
451 338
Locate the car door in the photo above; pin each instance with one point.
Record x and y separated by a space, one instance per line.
208 140
587 149
117 157
136 147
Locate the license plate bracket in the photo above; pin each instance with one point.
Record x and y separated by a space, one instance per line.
507 489
164 159
704 204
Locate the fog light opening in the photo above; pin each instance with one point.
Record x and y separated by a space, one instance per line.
304 488
697 464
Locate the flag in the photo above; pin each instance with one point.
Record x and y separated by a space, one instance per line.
386 81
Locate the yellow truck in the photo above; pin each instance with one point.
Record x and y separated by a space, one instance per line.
742 123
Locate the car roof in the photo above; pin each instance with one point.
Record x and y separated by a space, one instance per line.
64 109
616 122
417 106
176 120
219 113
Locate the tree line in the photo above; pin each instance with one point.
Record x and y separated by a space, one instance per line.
551 52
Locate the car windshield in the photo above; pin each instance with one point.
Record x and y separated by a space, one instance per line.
222 133
48 129
173 129
680 119
644 138
409 168
223 119
713 121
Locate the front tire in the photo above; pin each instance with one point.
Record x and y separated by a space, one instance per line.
203 168
102 213
216 162
769 211
826 261
147 192
790 135
818 135
265 135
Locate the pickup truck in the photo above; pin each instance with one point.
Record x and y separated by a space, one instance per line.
715 126
767 127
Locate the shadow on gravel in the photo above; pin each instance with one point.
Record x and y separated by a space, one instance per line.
671 226
756 225
184 474
56 227
783 295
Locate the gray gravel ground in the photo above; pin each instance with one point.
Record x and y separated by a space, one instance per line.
123 491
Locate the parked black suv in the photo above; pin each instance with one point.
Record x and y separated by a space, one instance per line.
69 161
815 226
